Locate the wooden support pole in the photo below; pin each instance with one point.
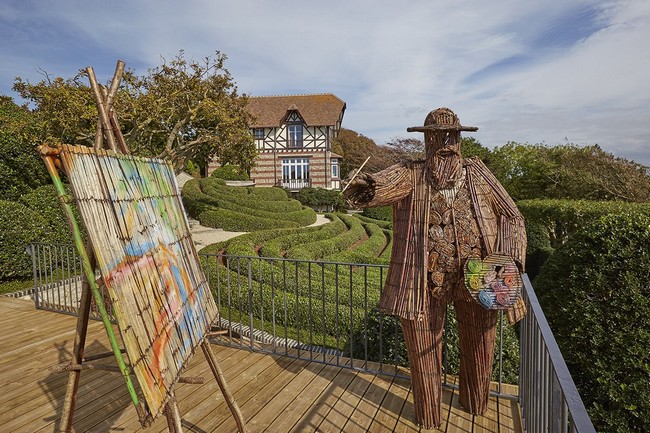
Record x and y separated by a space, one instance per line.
101 108
221 381
67 413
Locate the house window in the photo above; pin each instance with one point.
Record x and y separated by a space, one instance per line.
258 133
295 135
335 168
295 172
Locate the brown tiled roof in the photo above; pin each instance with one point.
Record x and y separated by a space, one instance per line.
316 110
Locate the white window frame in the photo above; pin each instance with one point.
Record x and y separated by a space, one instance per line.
295 135
335 168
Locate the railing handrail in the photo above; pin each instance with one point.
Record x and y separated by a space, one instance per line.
544 377
581 421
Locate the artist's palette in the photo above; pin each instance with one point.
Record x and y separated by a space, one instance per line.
494 282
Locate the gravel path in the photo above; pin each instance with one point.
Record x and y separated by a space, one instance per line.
204 236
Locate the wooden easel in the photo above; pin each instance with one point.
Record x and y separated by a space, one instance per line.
108 131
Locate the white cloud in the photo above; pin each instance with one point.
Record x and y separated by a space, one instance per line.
525 71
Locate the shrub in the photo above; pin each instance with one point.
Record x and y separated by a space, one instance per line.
321 198
19 226
386 344
549 223
230 172
384 213
596 295
45 202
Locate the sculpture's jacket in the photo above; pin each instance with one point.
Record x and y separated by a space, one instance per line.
404 186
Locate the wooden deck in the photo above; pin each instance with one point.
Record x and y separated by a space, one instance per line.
276 394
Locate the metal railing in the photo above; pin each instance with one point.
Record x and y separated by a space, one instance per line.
57 279
294 184
548 396
323 312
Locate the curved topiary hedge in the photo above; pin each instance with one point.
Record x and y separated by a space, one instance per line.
595 293
317 250
241 222
369 251
217 205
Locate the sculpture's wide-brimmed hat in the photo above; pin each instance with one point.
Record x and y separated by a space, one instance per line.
443 120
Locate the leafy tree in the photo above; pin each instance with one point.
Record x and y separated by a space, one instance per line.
21 169
406 149
569 172
470 147
355 148
183 110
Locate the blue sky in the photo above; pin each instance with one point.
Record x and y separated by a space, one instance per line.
551 71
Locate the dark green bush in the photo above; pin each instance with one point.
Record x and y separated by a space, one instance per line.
384 213
386 344
321 198
45 202
595 293
549 223
230 172
19 226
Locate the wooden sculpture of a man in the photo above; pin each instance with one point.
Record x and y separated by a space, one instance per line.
449 213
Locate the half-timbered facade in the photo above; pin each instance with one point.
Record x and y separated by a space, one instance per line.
294 135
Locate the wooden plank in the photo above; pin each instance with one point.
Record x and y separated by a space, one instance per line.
363 415
297 411
389 412
244 388
276 393
347 403
232 361
328 398
489 421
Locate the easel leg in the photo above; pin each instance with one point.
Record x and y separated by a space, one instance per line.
78 351
221 381
173 415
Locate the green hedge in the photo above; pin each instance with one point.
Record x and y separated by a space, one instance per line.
384 213
241 222
595 293
321 197
230 172
320 249
381 223
19 226
549 223
369 251
278 246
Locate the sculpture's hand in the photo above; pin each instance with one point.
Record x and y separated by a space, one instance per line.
357 188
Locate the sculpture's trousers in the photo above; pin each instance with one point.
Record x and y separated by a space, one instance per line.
477 331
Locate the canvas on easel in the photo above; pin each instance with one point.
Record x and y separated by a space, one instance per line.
140 242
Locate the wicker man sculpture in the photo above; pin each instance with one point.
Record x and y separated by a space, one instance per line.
458 237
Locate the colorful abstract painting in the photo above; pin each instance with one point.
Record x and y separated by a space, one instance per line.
133 214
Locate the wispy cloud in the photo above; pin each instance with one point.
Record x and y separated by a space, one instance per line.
525 71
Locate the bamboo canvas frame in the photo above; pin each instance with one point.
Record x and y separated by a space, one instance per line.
140 236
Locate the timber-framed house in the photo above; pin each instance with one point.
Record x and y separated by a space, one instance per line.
294 135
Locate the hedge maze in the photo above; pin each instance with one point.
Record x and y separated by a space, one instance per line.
240 209
316 284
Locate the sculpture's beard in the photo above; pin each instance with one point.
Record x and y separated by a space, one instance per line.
444 168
